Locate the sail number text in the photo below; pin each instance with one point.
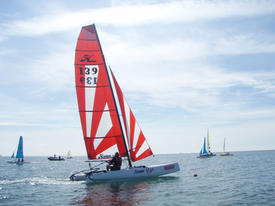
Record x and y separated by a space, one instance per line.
88 75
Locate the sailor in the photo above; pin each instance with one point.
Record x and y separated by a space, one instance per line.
115 163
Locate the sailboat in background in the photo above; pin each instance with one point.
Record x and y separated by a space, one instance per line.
225 153
19 158
12 158
101 104
69 156
205 150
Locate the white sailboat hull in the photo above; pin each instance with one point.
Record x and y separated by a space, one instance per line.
15 162
132 173
128 174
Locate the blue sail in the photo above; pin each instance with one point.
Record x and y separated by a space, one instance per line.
203 149
12 156
19 153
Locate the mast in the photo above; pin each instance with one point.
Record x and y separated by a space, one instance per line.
208 143
126 148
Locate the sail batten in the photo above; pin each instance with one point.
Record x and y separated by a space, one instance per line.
104 110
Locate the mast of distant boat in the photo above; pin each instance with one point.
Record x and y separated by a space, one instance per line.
208 143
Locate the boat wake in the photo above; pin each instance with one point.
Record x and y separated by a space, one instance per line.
39 181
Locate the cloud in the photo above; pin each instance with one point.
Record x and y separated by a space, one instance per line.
171 72
164 13
166 74
54 70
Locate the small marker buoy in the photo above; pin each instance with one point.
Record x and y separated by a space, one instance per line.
195 175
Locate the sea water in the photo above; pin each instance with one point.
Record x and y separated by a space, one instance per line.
246 178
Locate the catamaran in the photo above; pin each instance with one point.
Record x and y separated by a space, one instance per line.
19 158
225 153
205 150
101 104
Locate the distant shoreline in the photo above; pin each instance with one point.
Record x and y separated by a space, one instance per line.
154 154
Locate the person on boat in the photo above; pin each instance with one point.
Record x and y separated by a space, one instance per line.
115 163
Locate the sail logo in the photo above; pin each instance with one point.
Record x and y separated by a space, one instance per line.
87 58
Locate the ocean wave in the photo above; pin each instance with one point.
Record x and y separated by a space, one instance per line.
3 197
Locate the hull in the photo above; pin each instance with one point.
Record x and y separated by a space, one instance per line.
81 176
203 156
226 154
78 177
56 159
13 162
206 155
132 173
125 174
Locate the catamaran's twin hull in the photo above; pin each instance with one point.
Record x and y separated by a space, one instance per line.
206 155
133 173
129 173
15 162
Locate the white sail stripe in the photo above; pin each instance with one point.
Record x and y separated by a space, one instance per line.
104 126
144 147
136 134
90 78
110 151
127 116
89 103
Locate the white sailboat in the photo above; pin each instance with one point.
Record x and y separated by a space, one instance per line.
69 155
101 102
225 153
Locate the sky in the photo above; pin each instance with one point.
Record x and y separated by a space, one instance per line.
184 66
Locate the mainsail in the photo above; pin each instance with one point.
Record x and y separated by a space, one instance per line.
101 125
19 153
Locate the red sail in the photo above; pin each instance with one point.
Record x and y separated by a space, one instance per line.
137 143
99 119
